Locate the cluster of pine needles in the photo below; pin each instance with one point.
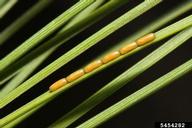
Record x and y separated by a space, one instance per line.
81 32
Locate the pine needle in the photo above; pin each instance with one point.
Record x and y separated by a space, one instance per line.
124 78
29 68
23 74
2 3
21 118
36 58
85 13
21 21
139 95
48 96
43 33
6 6
61 37
92 40
154 25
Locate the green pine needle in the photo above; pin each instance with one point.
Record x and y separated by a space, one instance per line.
139 95
21 21
77 18
2 3
43 33
154 25
5 6
23 74
124 78
98 36
48 96
31 66
61 37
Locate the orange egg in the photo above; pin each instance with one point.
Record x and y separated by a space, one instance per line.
127 48
145 39
58 84
75 75
111 56
92 66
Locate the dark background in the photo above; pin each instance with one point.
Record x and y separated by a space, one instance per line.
170 104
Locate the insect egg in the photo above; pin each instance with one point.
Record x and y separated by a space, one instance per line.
75 75
107 58
58 84
145 39
95 64
111 56
127 48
